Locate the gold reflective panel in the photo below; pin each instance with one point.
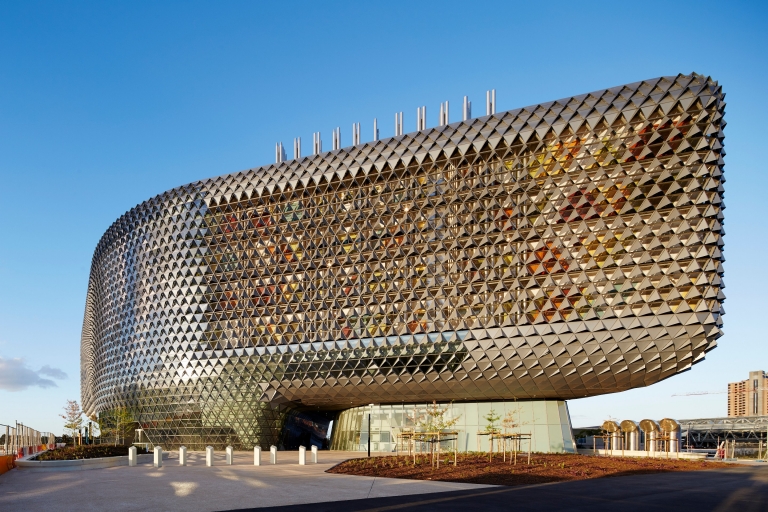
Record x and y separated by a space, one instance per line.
556 251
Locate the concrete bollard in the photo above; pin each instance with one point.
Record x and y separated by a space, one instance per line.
209 456
132 456
302 456
314 454
158 457
183 456
257 456
229 455
273 454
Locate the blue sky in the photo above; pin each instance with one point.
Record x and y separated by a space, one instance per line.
105 104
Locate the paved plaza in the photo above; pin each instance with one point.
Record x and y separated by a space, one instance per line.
196 487
289 487
739 489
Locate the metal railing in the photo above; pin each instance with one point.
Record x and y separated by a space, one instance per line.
21 440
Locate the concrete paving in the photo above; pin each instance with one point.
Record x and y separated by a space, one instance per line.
741 489
196 487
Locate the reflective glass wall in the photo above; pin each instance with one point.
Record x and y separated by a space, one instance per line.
548 423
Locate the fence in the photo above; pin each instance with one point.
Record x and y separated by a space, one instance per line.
21 440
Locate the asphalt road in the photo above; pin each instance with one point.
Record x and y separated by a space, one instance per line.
741 489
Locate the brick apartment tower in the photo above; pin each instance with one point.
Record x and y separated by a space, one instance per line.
749 397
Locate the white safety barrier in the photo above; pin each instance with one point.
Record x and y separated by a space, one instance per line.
257 456
302 456
183 456
314 454
229 453
158 457
209 456
273 454
132 456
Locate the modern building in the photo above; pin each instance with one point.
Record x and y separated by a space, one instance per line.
749 397
502 263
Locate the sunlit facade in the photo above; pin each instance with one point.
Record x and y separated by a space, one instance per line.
552 252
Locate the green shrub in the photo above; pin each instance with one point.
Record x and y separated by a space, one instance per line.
86 452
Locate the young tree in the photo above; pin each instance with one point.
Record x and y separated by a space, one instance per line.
435 419
491 429
511 420
434 422
510 423
492 417
95 432
125 423
116 425
73 417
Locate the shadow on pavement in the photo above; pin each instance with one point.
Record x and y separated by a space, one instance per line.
743 489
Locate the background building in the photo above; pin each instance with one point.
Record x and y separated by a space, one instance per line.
749 397
510 261
746 432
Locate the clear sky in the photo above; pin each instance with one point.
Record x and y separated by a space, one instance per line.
105 104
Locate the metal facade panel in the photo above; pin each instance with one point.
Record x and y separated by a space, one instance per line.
556 251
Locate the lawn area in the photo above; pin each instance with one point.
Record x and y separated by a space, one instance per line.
545 467
86 452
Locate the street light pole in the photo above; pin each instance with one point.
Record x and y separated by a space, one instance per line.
370 408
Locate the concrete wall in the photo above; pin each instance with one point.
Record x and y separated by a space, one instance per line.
79 465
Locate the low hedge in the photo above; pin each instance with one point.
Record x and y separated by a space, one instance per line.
86 452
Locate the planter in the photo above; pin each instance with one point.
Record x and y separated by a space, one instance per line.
80 464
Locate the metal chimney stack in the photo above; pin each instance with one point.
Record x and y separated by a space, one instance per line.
467 109
297 148
490 102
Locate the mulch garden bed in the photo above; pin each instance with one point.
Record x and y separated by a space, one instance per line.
475 468
86 452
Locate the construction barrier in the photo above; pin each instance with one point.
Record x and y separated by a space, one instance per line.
6 463
23 441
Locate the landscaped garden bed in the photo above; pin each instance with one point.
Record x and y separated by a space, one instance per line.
86 452
475 468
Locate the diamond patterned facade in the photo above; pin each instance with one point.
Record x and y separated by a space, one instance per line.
557 251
